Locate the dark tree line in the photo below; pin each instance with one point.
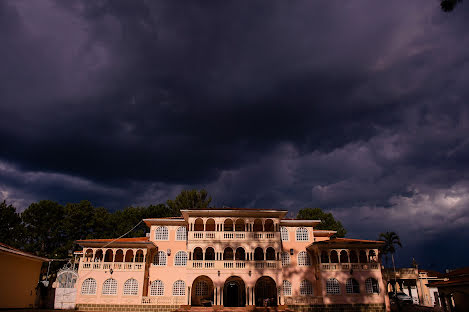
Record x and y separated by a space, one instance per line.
50 229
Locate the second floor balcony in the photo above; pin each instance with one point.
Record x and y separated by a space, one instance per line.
234 264
209 235
115 266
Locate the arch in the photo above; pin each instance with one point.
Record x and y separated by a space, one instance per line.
284 234
286 288
131 287
179 288
362 256
306 288
268 225
157 288
228 253
199 224
302 234
98 256
304 259
240 254
334 257
372 256
108 257
160 258
139 257
129 255
119 256
266 292
228 225
353 256
198 254
210 225
258 254
202 291
181 233
332 286
88 287
209 253
324 257
67 279
180 259
270 254
239 226
88 255
258 227
285 259
372 286
161 233
234 292
344 257
352 286
110 287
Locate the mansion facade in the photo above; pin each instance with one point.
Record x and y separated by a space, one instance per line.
224 258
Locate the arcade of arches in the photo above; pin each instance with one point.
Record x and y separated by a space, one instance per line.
234 292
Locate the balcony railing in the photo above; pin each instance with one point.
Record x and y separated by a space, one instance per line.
233 264
348 266
115 266
201 235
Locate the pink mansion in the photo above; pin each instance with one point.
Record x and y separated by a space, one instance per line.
226 258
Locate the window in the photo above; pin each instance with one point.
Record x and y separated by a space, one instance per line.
303 259
180 259
157 288
181 234
88 287
110 287
179 288
284 233
306 288
352 286
161 233
302 234
160 258
285 259
270 254
372 286
286 288
131 287
332 286
201 288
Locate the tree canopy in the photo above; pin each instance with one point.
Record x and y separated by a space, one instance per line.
50 229
328 220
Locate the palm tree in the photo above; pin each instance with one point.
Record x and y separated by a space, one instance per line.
390 240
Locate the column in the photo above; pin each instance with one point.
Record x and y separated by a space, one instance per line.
189 295
221 295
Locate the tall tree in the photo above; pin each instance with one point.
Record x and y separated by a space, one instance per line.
328 220
44 230
11 228
449 5
390 239
189 199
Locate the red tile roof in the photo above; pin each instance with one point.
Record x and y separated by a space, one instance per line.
118 240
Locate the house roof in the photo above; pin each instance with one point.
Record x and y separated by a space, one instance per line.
9 249
130 241
346 242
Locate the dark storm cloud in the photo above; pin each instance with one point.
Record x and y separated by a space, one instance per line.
358 108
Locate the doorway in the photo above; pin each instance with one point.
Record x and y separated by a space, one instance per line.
266 292
234 292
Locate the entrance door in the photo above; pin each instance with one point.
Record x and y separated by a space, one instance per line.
234 294
232 290
266 292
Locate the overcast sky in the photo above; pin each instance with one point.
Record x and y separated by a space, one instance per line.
357 107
